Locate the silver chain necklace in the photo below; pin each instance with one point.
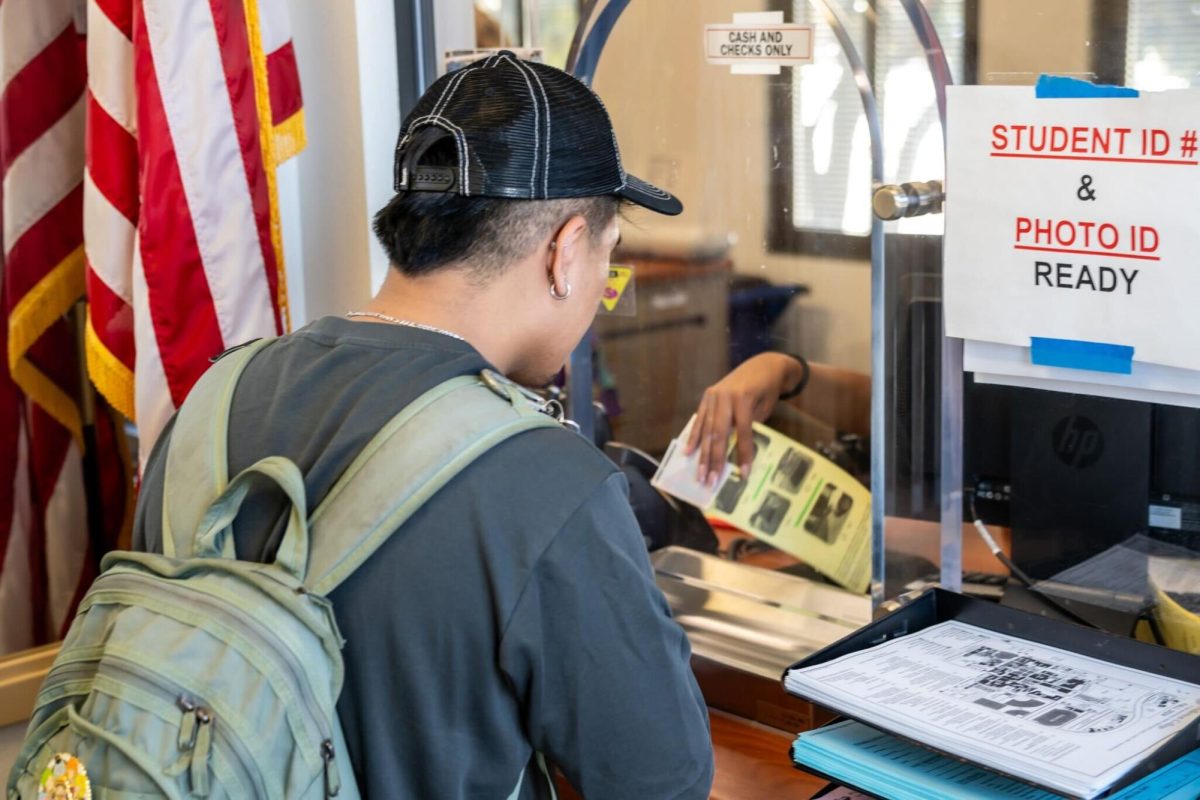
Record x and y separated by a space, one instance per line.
404 322
491 379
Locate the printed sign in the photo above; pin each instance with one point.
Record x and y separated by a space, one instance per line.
1074 220
615 288
780 45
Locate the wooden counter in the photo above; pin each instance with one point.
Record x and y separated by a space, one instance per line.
752 762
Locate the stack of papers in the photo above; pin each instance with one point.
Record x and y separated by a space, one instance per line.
1046 716
897 770
889 767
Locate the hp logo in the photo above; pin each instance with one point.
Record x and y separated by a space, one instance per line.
1077 442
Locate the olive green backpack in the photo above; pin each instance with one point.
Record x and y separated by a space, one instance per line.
194 674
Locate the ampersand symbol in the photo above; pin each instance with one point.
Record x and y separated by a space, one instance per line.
1085 192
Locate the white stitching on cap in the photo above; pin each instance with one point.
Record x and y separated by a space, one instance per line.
449 91
546 149
435 114
616 147
464 165
651 189
537 124
523 67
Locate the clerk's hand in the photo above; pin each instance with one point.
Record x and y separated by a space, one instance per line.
746 395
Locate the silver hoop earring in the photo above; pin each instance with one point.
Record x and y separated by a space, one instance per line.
558 296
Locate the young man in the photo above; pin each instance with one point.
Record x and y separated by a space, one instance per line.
513 620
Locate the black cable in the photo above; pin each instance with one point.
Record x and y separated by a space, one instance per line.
1152 623
1017 572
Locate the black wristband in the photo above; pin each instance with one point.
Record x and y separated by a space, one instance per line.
799 387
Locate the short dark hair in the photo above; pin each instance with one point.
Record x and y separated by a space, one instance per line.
424 231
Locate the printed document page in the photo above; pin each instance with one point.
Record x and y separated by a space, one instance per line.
1059 719
794 499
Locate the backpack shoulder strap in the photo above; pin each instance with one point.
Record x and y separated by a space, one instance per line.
419 450
197 469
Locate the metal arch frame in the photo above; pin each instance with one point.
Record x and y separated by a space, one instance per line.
951 472
582 61
879 420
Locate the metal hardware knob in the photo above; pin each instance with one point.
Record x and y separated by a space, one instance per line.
908 199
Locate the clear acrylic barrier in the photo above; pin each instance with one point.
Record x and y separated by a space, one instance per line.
777 172
779 250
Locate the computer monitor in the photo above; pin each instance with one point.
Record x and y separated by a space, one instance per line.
1069 474
1074 474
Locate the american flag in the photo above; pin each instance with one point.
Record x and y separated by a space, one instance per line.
138 146
49 447
191 106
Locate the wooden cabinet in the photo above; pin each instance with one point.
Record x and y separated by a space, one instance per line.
665 357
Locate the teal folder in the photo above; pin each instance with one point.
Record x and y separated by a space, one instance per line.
882 765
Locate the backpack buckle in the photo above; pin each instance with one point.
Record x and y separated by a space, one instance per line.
517 394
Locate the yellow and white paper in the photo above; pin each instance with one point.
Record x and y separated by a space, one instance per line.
794 499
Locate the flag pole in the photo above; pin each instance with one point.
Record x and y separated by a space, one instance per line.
91 463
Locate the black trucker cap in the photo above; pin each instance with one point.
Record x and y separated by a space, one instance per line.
521 130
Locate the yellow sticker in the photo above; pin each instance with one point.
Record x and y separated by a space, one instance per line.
65 778
618 279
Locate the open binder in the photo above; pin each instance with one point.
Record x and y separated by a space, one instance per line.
936 606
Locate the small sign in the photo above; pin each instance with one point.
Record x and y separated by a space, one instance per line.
618 295
1169 517
454 60
758 43
779 45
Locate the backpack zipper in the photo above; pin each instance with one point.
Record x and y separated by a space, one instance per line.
154 684
281 651
333 779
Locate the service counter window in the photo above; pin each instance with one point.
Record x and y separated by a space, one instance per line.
764 565
776 252
1093 496
805 284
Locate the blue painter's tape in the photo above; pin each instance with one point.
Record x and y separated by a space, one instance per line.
1058 86
1096 356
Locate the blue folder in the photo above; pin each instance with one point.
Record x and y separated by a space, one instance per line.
882 765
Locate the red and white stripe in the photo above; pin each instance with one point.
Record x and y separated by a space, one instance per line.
182 258
111 200
43 520
282 71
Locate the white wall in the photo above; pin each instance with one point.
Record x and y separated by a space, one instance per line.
330 191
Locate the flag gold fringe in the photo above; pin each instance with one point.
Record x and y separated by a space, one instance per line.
43 305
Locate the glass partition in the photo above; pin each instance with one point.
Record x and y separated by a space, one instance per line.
772 255
779 251
1088 496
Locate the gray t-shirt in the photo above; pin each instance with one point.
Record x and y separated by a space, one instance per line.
514 613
